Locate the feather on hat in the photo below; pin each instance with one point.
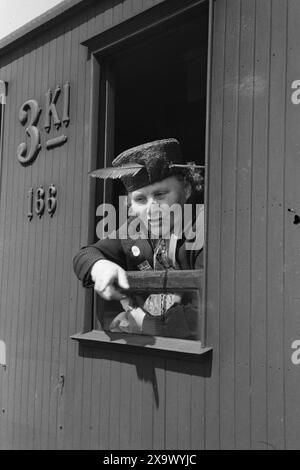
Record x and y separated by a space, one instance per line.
146 164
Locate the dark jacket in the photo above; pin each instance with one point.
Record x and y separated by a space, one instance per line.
180 321
121 253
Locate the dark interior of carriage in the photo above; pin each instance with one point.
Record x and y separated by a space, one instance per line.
160 90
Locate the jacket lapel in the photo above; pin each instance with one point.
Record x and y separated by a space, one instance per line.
139 254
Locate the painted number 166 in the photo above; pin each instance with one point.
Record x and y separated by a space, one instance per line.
42 199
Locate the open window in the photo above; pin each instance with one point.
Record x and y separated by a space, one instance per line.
154 87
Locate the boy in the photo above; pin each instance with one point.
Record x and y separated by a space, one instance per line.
156 179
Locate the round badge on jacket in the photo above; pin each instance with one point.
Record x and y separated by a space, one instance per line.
135 250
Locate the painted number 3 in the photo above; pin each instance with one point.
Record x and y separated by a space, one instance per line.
41 201
25 157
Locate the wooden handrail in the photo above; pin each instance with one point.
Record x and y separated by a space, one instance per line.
166 280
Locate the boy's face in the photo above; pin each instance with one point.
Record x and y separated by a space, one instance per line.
151 202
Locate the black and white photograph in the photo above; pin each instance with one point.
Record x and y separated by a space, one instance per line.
149 227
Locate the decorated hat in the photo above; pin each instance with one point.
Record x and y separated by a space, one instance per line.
146 164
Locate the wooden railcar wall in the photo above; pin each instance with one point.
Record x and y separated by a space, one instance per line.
126 400
253 283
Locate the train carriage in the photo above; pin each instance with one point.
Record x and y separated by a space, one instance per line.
81 83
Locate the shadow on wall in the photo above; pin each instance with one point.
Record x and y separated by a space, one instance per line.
149 364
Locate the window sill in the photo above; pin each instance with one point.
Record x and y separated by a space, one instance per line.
151 342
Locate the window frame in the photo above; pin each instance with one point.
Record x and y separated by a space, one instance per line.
99 49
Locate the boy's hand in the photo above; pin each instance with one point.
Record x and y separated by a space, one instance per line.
108 276
130 321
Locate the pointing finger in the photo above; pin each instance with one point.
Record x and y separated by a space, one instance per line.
122 279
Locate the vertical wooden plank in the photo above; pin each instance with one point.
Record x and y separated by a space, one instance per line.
86 402
115 398
78 219
243 225
72 156
171 404
105 402
65 413
40 426
6 74
127 9
197 408
146 365
50 387
22 357
57 231
228 228
22 352
30 320
76 307
95 402
125 397
258 236
41 366
275 226
118 12
184 410
74 207
80 205
159 405
77 401
35 313
212 411
64 254
135 409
